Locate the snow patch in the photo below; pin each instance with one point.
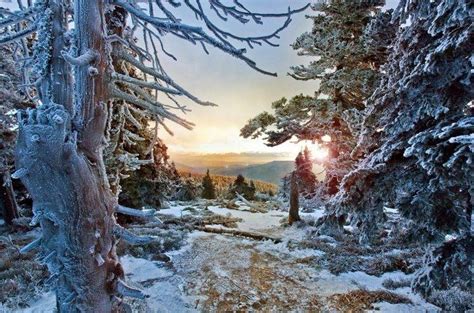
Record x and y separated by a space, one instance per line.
251 221
46 303
176 211
140 270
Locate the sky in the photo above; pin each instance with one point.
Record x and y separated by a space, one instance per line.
240 91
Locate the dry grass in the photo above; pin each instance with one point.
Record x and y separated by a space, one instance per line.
360 300
21 277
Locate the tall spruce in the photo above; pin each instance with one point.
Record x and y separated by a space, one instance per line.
416 140
416 148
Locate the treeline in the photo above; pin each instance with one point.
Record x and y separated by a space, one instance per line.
223 184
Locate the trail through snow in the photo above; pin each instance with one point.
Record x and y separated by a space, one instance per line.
219 273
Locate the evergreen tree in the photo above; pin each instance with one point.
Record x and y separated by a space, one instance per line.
241 187
305 178
416 148
10 101
188 190
251 190
208 188
416 141
348 70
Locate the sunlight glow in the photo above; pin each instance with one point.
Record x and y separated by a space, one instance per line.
318 153
326 138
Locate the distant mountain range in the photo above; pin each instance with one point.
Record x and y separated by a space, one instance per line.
271 172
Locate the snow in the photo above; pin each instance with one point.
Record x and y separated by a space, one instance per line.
209 267
46 303
281 248
176 211
390 210
251 221
141 270
164 291
394 308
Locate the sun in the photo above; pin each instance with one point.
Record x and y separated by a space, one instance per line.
318 152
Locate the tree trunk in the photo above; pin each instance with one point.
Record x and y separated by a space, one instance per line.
59 157
8 204
294 215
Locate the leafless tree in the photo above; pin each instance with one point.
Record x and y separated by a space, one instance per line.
74 75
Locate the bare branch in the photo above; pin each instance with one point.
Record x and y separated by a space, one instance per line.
151 71
155 107
191 33
134 212
17 35
127 291
130 237
31 246
145 84
85 59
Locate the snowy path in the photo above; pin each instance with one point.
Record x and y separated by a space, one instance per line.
220 273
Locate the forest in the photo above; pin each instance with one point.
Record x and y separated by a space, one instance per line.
95 216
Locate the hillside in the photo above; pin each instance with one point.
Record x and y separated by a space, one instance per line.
271 172
222 182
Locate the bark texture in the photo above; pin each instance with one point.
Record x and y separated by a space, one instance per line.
59 159
8 204
294 215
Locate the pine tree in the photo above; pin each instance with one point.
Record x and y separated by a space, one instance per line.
208 188
348 69
416 140
241 187
251 191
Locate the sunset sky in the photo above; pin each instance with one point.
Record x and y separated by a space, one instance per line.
240 92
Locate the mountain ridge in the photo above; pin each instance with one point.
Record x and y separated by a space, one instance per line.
271 172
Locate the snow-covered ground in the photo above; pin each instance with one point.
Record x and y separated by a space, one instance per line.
216 272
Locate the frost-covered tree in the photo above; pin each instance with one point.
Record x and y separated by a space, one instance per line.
208 188
72 75
153 183
417 139
347 67
188 190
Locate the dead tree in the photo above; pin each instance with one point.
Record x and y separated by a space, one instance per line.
294 215
71 78
8 204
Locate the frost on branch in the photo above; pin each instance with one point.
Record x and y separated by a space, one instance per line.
446 276
96 87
